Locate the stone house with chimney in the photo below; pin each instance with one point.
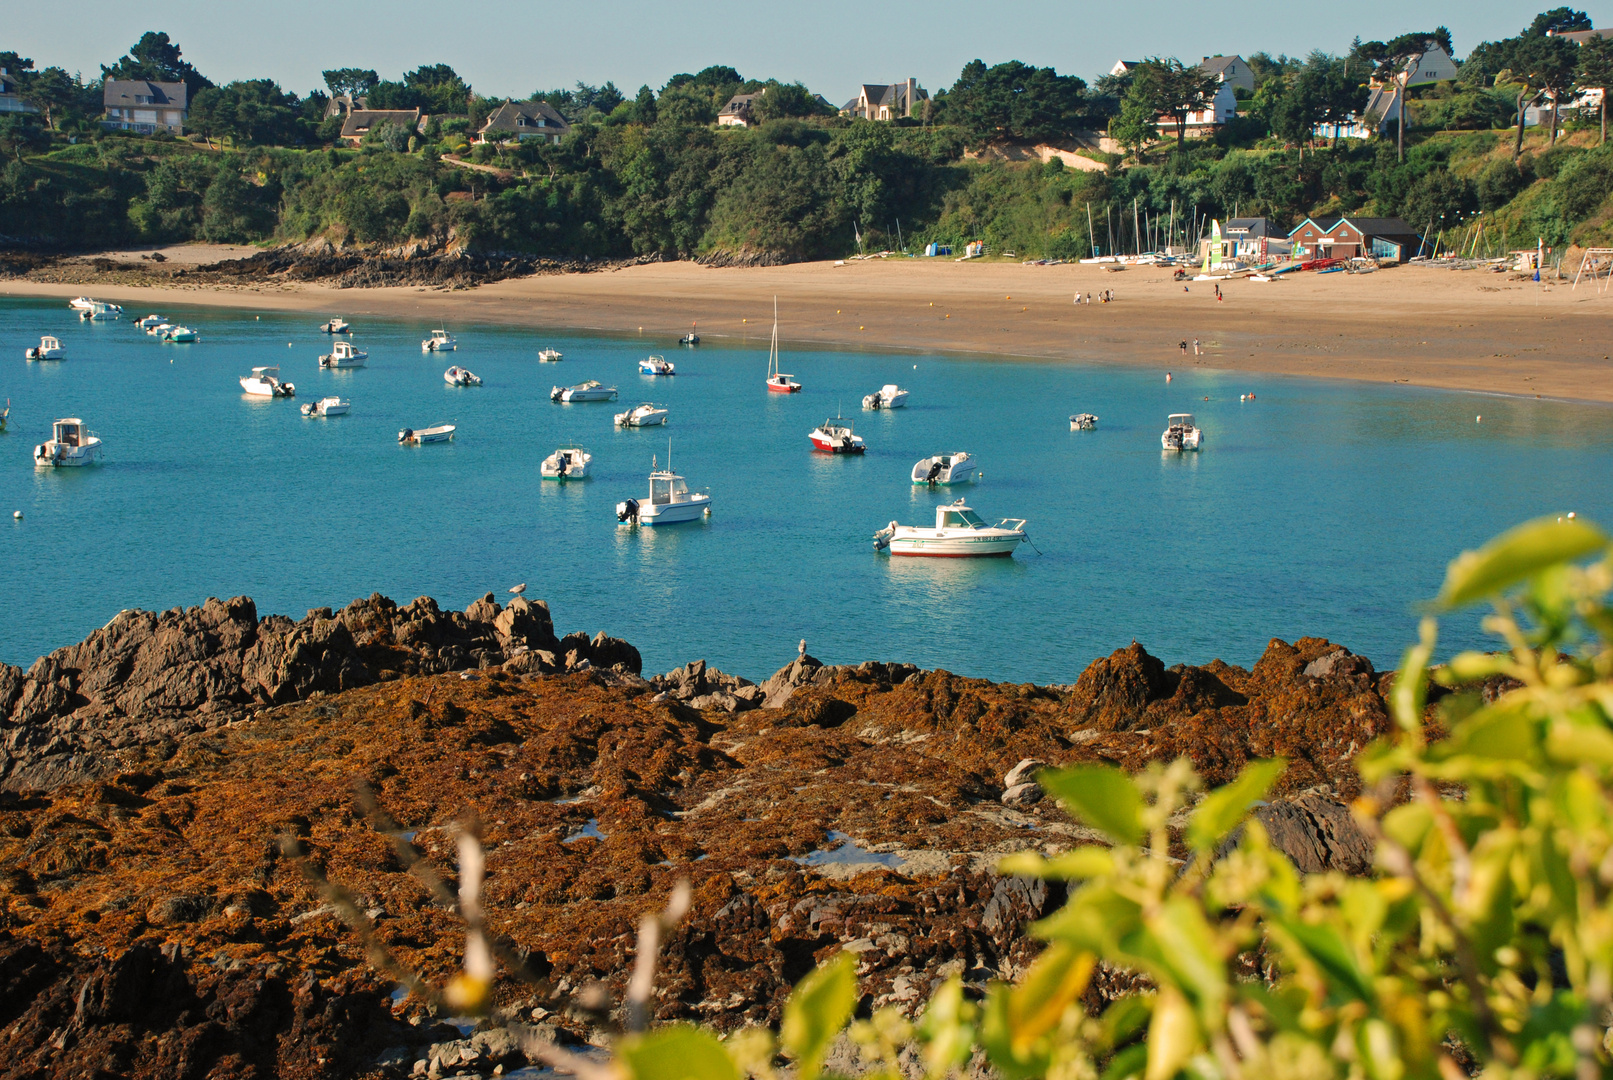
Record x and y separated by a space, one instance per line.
360 122
145 107
523 120
875 101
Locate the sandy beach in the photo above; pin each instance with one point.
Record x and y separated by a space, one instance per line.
1458 330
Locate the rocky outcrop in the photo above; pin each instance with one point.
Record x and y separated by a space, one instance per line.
1317 833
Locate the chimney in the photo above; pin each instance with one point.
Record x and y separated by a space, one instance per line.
912 83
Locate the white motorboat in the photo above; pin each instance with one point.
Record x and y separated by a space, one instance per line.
182 335
670 500
656 365
149 321
458 376
943 469
550 355
5 414
327 406
959 533
69 445
335 326
777 381
1083 422
265 382
587 391
1181 433
890 396
439 341
47 349
440 433
834 436
100 311
81 303
692 337
644 414
160 329
343 355
567 463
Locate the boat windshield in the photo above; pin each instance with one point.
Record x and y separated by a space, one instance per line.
67 434
961 519
664 490
1181 419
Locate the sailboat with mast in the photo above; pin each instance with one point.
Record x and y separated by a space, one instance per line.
777 381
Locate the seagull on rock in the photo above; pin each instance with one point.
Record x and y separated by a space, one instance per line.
519 589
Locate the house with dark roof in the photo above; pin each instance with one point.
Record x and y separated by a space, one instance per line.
523 120
11 99
1389 239
1232 70
877 101
342 104
145 107
737 113
1253 238
360 122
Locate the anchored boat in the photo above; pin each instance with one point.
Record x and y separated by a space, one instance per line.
890 396
1181 433
440 433
567 463
692 337
343 355
943 469
439 341
1083 422
591 390
149 321
777 381
550 355
327 406
656 365
959 533
458 376
834 436
265 382
670 500
645 414
335 326
47 349
182 335
69 445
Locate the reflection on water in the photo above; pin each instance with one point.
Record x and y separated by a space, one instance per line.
1319 508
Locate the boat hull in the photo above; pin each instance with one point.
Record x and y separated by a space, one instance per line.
588 395
673 513
956 547
339 365
785 388
830 446
52 456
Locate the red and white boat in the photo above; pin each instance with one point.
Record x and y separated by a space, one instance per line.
777 381
834 436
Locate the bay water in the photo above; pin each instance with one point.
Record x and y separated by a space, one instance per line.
1317 508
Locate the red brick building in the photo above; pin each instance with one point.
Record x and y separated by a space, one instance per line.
1390 239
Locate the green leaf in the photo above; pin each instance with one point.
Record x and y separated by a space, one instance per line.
1224 808
1101 796
678 1052
1077 865
818 1008
947 1029
1515 555
1411 685
1054 981
1181 946
1327 949
1173 1036
1500 732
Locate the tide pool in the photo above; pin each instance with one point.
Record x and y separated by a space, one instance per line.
1320 508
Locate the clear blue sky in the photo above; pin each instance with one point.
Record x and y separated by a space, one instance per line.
507 47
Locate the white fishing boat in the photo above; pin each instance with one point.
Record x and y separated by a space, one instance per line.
656 365
567 463
550 355
5 414
587 391
959 533
1083 422
692 337
777 381
149 321
265 382
47 349
890 396
1181 433
834 436
159 329
181 335
413 437
343 355
439 341
100 312
458 376
644 414
81 303
335 326
327 406
69 445
943 469
670 501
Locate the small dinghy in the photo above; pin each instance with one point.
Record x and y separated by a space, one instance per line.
890 396
551 355
343 355
692 337
69 445
335 326
458 376
670 501
587 391
1181 433
182 335
959 533
1083 422
439 341
656 365
47 349
644 414
566 463
327 406
5 414
834 436
265 382
413 437
944 469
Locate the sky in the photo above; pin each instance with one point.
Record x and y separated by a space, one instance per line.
511 48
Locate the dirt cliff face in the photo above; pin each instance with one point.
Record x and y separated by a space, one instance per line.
865 811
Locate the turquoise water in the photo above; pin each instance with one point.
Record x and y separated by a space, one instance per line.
1321 508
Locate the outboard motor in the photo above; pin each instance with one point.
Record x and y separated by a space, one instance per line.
935 472
405 435
554 395
627 511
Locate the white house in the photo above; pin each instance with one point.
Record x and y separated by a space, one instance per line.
1230 69
11 99
146 107
1222 108
522 120
738 111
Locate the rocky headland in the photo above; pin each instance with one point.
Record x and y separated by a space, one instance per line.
152 926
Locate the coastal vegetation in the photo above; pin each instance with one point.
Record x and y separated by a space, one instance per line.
650 173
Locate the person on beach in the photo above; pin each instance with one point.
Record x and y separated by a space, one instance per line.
1195 346
1184 348
1077 298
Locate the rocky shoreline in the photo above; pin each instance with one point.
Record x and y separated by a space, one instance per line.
150 924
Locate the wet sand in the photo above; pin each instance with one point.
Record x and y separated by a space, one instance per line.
1458 330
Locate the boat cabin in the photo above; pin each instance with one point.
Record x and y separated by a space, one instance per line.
957 516
1182 419
836 426
343 350
49 344
273 372
666 487
67 432
440 337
